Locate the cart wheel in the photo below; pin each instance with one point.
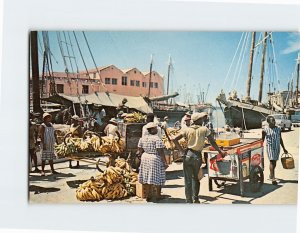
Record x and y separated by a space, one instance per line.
256 178
97 165
220 183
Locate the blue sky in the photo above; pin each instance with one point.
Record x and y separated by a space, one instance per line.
199 58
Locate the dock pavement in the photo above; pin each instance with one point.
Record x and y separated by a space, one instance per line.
61 188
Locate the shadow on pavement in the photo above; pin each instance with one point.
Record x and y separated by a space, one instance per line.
173 175
50 177
75 183
234 189
38 189
287 181
173 186
172 200
207 198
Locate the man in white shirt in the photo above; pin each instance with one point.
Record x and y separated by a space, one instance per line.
185 118
111 130
165 122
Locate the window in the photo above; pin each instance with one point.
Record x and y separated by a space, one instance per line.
94 75
124 81
85 89
155 85
151 84
144 84
114 81
60 88
131 82
107 80
137 83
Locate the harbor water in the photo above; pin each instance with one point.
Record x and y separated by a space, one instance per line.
217 119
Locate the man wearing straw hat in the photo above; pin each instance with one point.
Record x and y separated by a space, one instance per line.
111 130
195 136
272 134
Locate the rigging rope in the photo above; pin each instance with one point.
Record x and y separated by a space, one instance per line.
233 59
239 61
94 60
240 70
275 61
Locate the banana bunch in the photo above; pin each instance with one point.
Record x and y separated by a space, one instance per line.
114 183
112 145
63 149
135 117
172 132
90 190
121 163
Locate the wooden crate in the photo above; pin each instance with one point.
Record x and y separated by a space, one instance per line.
142 190
132 132
227 142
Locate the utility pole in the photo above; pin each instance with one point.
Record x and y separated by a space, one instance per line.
35 72
250 67
262 68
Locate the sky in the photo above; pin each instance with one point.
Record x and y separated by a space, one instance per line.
201 61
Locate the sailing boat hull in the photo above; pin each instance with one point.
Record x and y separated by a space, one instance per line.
244 118
171 114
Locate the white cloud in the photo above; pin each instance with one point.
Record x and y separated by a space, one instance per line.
293 43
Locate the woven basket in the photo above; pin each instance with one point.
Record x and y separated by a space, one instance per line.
287 161
224 166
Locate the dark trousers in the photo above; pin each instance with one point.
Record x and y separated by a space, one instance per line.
191 166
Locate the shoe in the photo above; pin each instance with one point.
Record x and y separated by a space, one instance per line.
42 173
36 170
54 172
274 182
197 201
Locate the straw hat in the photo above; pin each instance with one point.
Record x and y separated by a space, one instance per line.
113 120
45 115
75 117
151 125
198 115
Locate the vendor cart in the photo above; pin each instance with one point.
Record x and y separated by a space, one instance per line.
244 161
90 157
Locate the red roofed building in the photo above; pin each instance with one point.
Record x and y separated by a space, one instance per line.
131 82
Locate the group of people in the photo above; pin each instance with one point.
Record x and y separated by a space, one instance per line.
42 136
195 128
153 161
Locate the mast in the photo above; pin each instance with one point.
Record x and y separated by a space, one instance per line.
297 83
151 62
250 66
35 72
262 68
169 68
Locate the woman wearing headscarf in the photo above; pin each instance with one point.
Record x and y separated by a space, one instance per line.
153 162
48 139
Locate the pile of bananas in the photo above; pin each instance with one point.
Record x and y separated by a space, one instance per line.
112 145
92 143
114 183
65 149
172 132
135 118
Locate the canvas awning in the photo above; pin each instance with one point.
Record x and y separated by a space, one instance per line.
103 99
